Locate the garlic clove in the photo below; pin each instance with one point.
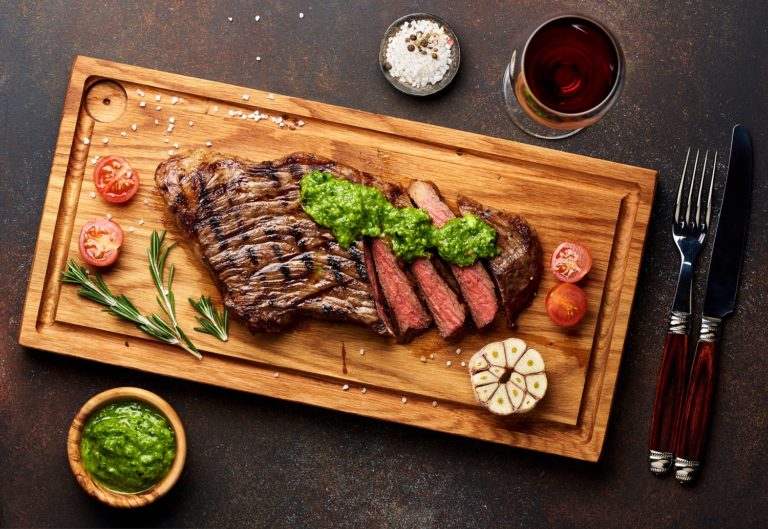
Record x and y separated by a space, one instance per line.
516 394
478 362
530 362
518 380
514 348
484 392
498 371
499 403
536 384
494 353
484 377
528 403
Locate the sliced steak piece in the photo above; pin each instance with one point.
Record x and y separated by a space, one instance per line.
449 313
517 270
409 314
378 296
475 283
272 263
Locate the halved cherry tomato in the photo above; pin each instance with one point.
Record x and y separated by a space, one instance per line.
100 241
570 262
115 180
566 304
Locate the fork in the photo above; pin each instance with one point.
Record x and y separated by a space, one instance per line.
689 232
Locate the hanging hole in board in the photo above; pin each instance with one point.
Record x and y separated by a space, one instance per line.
105 101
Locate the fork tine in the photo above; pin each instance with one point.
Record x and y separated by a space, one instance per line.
690 190
680 189
701 188
711 185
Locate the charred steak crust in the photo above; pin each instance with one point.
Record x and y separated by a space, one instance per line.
517 270
272 263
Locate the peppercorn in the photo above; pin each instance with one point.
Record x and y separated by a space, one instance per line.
434 55
411 47
387 66
413 37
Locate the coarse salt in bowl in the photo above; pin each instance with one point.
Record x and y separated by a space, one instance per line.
419 54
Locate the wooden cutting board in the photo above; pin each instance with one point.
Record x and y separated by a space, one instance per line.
565 197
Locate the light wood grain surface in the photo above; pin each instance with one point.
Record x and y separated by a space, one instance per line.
565 197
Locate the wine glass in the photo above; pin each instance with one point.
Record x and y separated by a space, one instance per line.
563 77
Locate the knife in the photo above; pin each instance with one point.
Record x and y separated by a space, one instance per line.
719 302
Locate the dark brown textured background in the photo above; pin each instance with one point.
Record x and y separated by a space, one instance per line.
694 69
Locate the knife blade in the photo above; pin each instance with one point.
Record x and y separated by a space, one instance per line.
719 302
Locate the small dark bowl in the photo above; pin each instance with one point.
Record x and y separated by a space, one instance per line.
428 89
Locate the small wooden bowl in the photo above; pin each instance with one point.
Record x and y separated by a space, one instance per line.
94 488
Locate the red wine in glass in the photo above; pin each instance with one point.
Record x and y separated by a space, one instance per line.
571 65
563 76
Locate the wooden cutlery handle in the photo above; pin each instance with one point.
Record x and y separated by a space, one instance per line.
668 404
697 410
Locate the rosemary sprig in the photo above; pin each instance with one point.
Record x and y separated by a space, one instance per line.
212 321
157 255
94 288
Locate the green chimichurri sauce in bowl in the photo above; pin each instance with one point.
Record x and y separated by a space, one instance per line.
126 447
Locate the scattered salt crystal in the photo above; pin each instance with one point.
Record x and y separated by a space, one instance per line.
146 201
243 116
463 364
123 134
423 359
270 96
174 100
143 104
257 18
140 92
157 122
246 97
191 123
208 144
277 375
105 140
229 18
166 140
448 363
362 351
171 119
432 357
86 141
345 387
215 108
108 216
363 391
93 194
301 15
171 152
134 127
175 145
403 400
158 107
141 222
231 113
170 128
95 159
131 229
458 351
300 123
258 58
434 404
158 98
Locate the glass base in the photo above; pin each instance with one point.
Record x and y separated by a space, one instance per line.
525 122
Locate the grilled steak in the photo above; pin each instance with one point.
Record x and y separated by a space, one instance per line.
450 314
475 284
409 314
271 261
517 269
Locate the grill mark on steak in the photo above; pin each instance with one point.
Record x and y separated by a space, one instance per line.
517 270
475 283
272 263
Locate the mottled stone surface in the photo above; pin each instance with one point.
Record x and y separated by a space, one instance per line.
694 69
